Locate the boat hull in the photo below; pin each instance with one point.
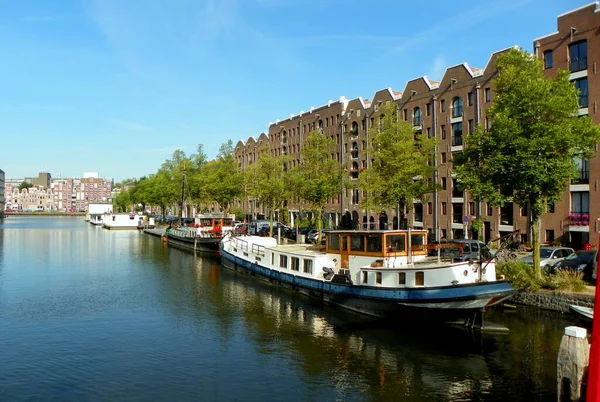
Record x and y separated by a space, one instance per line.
208 245
449 303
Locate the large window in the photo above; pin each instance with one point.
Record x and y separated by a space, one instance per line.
395 243
578 56
582 171
417 116
457 107
457 134
580 202
582 85
548 59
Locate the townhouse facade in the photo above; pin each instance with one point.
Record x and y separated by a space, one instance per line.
60 195
449 110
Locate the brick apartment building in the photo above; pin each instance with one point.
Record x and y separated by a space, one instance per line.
448 110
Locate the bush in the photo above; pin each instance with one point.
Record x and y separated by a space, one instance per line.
519 274
568 281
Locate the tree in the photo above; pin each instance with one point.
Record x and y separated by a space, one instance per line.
265 181
221 178
319 175
528 154
24 184
401 171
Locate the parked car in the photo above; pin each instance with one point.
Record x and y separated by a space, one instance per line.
240 228
311 236
581 261
549 256
265 230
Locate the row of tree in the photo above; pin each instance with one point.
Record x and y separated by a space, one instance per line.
526 157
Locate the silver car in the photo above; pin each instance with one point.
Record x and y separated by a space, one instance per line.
549 256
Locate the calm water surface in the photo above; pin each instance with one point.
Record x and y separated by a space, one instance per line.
92 314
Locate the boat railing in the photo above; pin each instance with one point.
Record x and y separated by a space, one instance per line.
240 243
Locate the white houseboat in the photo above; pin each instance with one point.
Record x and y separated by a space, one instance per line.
96 210
122 221
380 273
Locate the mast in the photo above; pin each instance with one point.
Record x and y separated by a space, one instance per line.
183 179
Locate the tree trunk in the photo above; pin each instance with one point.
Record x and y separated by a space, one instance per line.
319 224
535 237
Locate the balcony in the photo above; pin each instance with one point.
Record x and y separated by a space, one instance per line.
578 64
457 140
579 219
583 177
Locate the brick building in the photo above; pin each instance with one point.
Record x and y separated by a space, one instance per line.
448 110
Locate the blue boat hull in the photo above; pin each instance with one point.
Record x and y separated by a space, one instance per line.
448 303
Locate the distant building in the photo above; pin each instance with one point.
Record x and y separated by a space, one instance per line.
2 201
43 179
32 199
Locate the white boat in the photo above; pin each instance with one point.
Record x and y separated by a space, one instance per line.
122 221
380 273
96 210
585 313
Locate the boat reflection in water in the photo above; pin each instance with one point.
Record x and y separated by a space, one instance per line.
357 355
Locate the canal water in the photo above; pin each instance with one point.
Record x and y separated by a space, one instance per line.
88 314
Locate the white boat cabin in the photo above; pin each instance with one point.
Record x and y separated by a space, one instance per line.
387 258
213 224
122 221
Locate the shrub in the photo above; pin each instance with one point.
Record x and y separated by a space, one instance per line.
519 274
563 280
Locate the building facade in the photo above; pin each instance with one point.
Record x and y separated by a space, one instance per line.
449 110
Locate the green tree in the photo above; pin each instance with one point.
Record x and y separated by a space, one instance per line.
528 154
401 171
266 182
319 176
24 184
221 179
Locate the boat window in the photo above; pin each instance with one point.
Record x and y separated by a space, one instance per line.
205 222
308 264
401 278
227 222
374 244
272 258
378 278
365 276
295 264
343 244
419 278
283 261
334 242
357 243
417 241
395 243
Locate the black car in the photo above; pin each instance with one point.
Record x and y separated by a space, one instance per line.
580 261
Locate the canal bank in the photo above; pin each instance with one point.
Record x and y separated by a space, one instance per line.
553 300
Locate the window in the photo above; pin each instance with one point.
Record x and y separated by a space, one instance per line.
582 170
549 236
283 261
580 202
357 243
470 98
582 85
490 210
443 131
430 208
295 264
547 59
471 208
272 258
443 105
457 107
457 134
378 278
405 113
443 183
354 150
444 208
471 126
428 109
401 278
355 196
524 211
418 212
417 116
429 133
488 95
308 269
578 56
488 123
395 243
354 131
443 157
419 278
365 276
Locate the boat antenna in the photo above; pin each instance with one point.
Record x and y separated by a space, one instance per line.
183 185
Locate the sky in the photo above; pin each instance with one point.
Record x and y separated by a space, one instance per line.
115 86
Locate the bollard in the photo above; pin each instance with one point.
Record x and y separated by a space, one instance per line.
573 357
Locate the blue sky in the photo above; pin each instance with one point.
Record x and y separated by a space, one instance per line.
115 86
